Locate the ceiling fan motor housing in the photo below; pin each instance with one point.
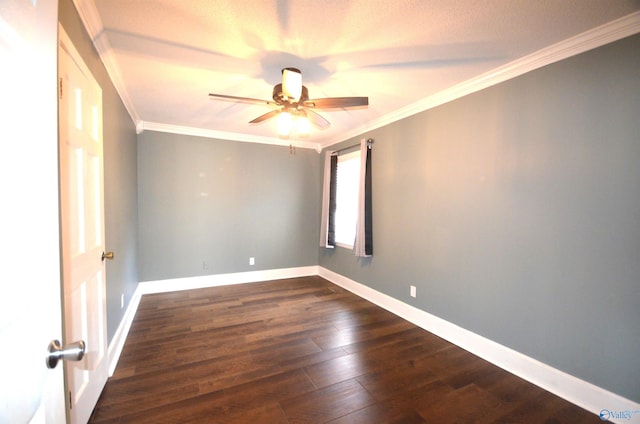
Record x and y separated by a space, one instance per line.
280 98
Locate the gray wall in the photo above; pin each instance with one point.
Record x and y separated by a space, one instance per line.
120 175
206 206
516 213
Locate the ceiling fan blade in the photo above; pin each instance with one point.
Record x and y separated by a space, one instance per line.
242 99
337 102
317 120
264 117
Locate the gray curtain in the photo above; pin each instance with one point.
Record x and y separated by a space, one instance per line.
327 219
363 246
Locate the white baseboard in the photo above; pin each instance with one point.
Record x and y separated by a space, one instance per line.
176 284
577 391
117 343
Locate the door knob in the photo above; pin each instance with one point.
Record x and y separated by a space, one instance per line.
107 255
71 352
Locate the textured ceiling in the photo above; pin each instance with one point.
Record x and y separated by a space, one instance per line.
165 56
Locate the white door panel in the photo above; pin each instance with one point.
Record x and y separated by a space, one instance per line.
82 225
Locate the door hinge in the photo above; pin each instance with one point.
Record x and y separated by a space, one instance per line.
70 400
60 88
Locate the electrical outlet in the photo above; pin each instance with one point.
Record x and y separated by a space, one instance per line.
252 261
412 291
205 265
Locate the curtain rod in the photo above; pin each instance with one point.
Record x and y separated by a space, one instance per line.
369 143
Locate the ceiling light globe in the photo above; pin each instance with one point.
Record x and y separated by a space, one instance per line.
285 122
303 126
292 83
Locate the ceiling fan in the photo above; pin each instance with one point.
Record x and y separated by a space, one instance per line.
291 102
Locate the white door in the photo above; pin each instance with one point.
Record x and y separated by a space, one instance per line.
82 229
30 312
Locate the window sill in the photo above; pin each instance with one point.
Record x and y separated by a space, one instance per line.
345 246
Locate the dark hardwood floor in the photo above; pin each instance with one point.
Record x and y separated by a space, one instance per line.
303 350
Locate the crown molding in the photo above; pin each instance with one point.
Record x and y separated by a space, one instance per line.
93 24
246 138
588 40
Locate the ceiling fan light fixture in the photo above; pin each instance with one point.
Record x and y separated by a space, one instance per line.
303 126
292 83
285 122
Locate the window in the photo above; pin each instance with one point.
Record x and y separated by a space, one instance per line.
346 219
348 177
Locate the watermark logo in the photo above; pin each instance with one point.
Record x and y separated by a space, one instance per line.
607 414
